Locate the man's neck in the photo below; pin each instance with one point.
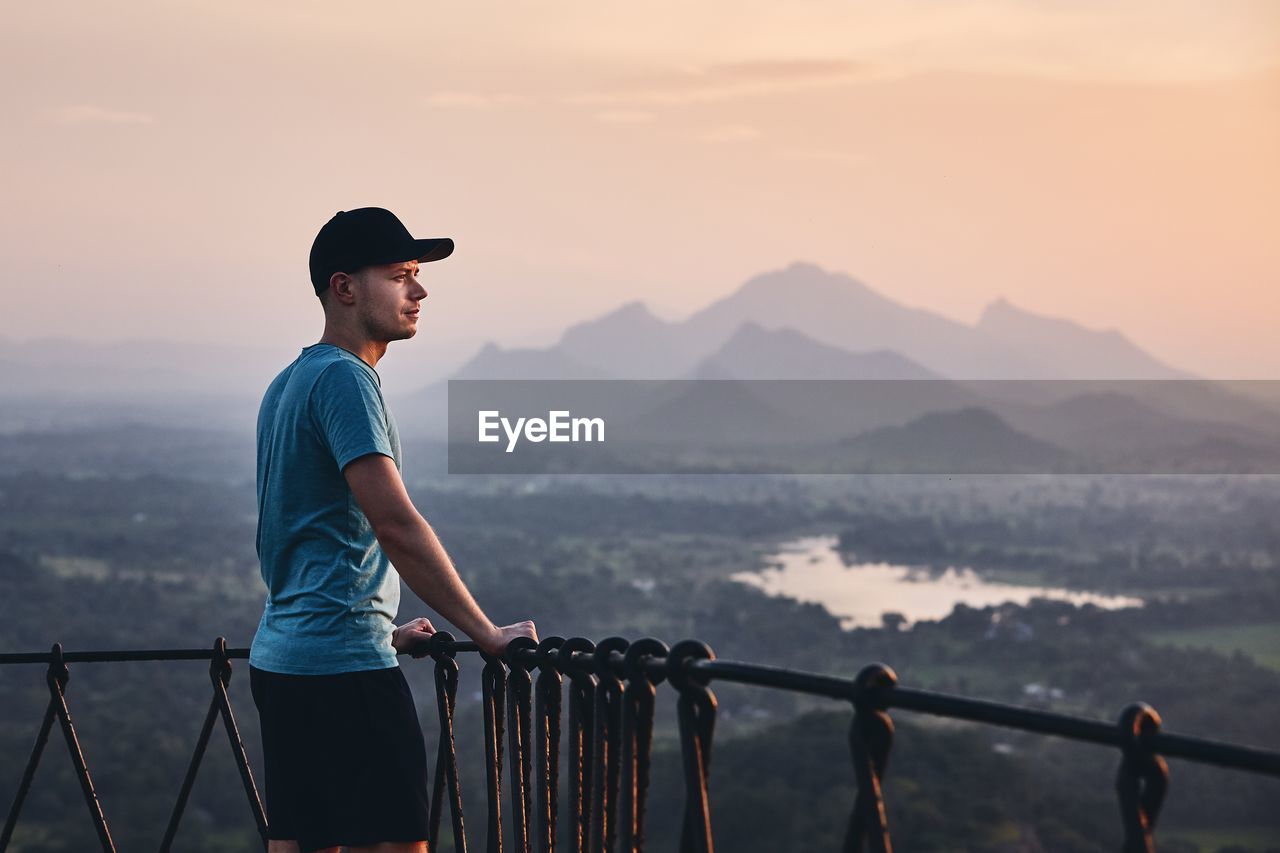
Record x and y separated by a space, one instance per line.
370 352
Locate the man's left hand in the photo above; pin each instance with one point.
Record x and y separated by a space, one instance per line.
411 637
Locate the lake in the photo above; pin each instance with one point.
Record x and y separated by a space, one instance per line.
811 570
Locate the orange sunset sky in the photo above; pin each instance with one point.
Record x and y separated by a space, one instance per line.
166 164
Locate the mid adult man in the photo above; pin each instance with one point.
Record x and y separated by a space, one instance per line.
345 762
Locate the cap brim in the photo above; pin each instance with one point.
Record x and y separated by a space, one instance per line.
433 249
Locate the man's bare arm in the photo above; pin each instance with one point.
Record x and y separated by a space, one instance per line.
417 554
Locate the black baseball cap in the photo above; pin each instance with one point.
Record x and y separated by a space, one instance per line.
364 237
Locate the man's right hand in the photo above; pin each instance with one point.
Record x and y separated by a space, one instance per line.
496 642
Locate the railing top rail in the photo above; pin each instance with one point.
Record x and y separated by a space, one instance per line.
1102 732
120 655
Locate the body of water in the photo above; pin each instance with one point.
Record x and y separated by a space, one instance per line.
811 570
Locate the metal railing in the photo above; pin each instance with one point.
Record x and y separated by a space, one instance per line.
610 688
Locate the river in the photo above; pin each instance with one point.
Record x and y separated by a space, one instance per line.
811 570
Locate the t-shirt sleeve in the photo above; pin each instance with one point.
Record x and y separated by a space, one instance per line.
349 413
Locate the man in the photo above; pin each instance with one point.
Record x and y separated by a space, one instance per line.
344 755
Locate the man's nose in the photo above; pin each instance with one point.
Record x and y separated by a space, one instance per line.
418 292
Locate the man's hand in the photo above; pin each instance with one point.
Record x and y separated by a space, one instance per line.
411 637
496 643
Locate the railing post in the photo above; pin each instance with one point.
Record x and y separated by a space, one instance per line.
546 707
218 667
696 710
188 781
1142 779
57 677
441 649
20 796
582 685
493 688
870 738
606 718
637 739
220 675
519 701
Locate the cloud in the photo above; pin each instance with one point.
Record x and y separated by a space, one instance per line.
91 114
728 133
728 81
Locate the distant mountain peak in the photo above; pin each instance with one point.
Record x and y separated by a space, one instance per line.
630 342
998 306
751 331
805 268
827 306
805 277
634 315
1001 313
633 309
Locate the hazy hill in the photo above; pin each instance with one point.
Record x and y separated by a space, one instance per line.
1091 354
136 367
723 413
1108 421
754 352
493 362
838 311
841 311
970 440
631 343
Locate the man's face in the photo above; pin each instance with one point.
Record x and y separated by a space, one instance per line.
388 300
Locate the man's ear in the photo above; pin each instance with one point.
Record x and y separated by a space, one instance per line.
341 288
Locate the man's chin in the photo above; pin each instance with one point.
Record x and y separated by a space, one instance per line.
390 338
403 334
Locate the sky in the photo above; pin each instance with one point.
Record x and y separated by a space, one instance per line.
166 164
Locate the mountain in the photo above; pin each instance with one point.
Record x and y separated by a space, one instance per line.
840 311
494 362
1104 420
627 343
631 343
754 352
832 310
970 440
700 415
1092 354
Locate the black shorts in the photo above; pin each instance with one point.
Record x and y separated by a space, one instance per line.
344 755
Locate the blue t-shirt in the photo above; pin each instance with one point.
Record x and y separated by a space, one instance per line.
331 598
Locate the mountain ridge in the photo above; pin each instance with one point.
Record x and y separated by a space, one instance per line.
842 312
